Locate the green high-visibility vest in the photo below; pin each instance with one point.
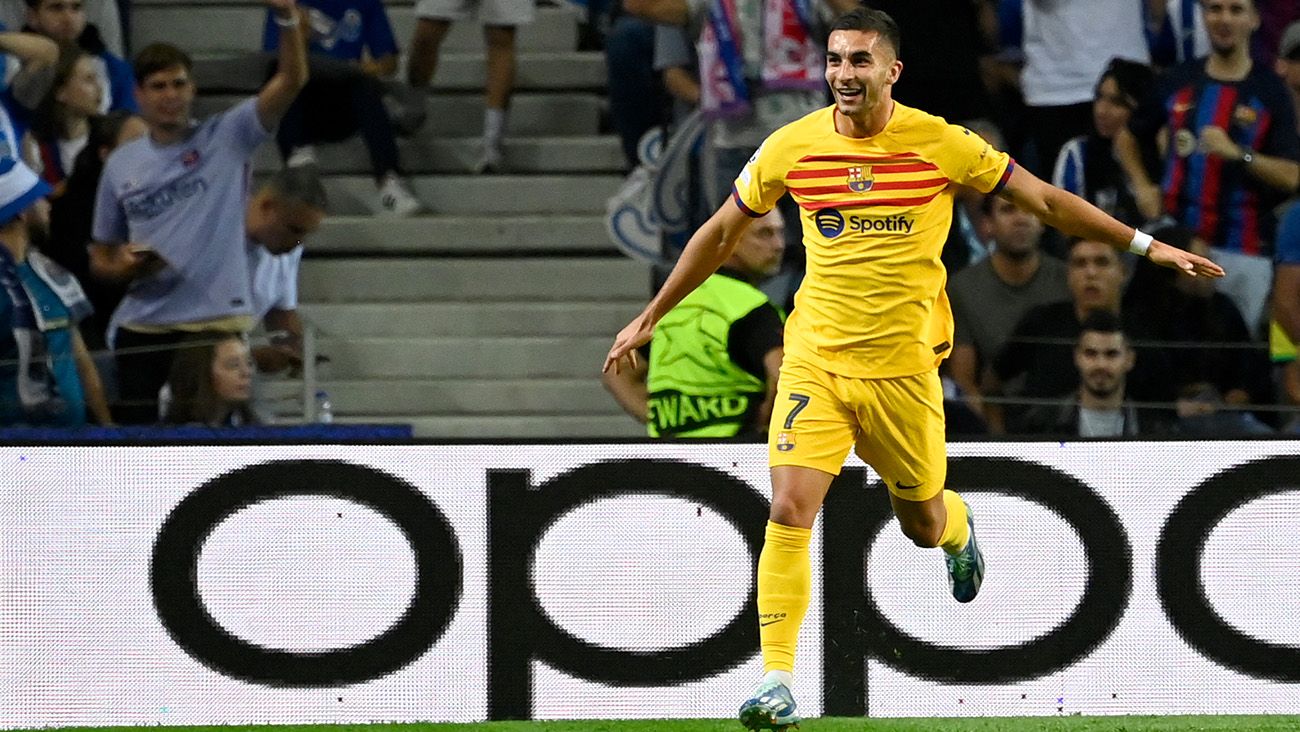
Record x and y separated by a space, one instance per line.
695 388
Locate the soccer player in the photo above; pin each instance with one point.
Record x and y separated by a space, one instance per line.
874 181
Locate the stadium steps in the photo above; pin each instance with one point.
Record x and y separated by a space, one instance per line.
424 279
464 235
239 71
485 319
551 116
489 317
460 396
223 25
489 196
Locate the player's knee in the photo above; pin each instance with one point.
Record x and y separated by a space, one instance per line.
923 531
788 511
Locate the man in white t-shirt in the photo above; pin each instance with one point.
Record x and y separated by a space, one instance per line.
1067 45
281 215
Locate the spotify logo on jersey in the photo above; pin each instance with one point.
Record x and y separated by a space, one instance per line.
829 222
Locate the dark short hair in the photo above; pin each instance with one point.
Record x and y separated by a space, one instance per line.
157 57
1101 321
1134 79
863 18
299 184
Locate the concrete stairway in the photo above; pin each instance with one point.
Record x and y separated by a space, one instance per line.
488 318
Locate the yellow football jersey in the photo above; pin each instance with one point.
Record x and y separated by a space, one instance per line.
875 215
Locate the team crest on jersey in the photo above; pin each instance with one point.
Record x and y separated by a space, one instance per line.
1184 143
785 441
190 158
860 180
1244 116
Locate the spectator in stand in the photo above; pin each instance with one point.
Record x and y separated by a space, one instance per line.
1285 330
1218 370
748 100
1039 348
943 59
637 103
47 377
64 22
500 18
106 15
169 215
61 123
1176 32
71 213
211 382
1099 407
1086 165
990 297
36 55
1230 154
767 93
1066 47
352 51
713 362
969 237
281 215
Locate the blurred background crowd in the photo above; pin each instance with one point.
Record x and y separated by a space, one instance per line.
153 249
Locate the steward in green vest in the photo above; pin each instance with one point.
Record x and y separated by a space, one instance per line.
695 387
713 360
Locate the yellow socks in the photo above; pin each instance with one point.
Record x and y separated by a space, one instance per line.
784 587
956 532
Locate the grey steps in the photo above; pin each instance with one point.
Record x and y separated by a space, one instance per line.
455 396
488 195
358 357
239 26
469 234
460 70
512 426
536 155
486 320
532 114
522 279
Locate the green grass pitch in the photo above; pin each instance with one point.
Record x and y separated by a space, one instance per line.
828 724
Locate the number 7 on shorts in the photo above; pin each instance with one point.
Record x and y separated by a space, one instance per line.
801 401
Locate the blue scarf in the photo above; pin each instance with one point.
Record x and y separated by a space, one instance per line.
38 394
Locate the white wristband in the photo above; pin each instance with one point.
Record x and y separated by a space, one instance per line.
291 22
1141 242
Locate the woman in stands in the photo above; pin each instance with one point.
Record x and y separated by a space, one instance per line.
211 382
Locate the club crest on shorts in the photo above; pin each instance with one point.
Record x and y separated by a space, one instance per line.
860 180
785 441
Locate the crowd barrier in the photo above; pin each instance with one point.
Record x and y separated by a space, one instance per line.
313 583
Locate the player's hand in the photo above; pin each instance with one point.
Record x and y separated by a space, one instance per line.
1149 200
633 336
1188 263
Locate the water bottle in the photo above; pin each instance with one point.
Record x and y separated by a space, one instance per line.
324 410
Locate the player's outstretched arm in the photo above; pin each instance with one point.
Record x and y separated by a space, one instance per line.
710 246
1076 217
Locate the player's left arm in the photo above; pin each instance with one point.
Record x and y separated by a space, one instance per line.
1076 217
291 68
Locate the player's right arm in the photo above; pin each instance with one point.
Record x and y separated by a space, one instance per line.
708 248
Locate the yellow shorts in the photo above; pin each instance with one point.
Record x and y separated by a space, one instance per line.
895 425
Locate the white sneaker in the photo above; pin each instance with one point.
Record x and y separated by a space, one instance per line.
301 156
490 161
395 199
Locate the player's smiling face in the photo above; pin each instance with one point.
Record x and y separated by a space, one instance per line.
860 68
